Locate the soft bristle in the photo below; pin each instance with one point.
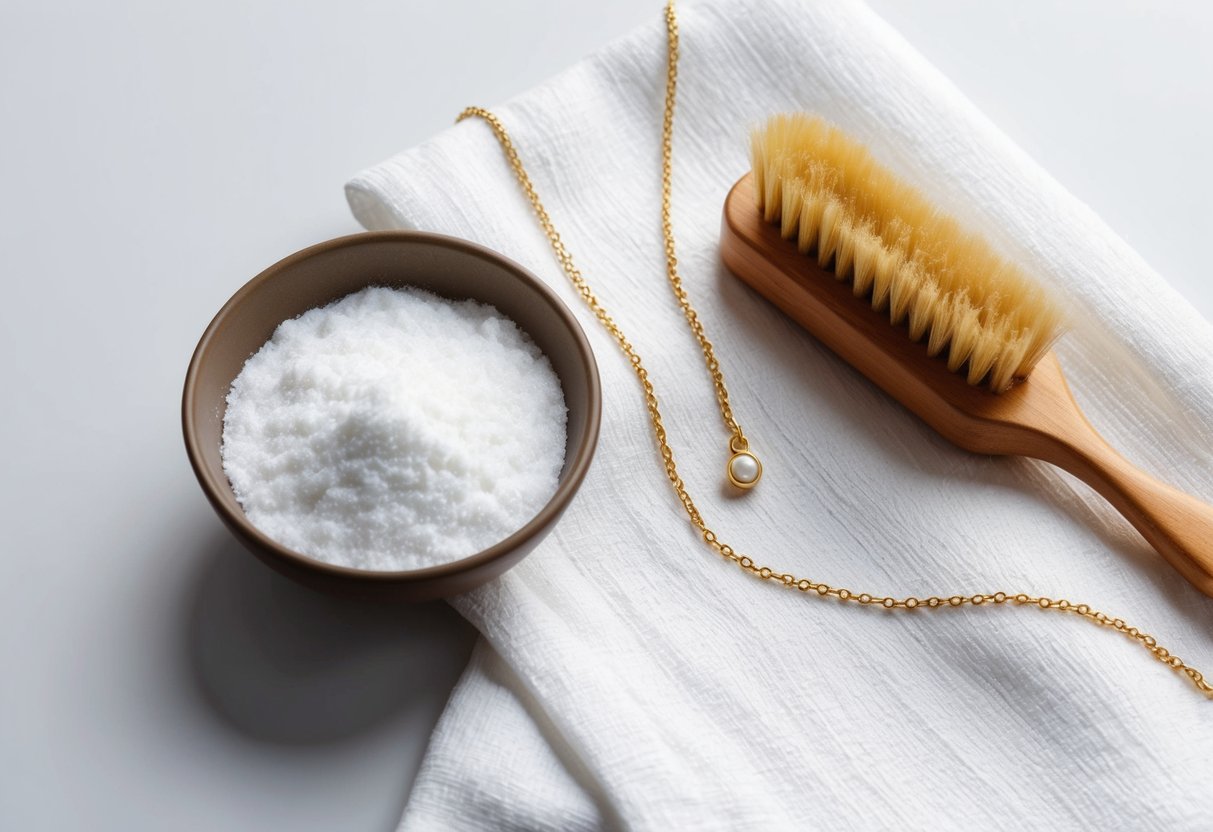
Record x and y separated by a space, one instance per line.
982 314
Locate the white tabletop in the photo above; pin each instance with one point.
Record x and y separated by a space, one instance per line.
153 158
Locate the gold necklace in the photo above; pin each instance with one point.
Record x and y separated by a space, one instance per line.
738 443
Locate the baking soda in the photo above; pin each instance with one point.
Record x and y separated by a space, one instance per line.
394 429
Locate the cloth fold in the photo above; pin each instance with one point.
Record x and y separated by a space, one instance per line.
629 677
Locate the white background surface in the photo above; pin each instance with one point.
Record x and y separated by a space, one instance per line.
152 159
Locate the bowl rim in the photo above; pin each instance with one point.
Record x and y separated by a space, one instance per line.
569 483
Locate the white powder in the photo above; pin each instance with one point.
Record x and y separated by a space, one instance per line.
394 429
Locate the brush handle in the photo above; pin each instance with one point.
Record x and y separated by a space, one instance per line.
1177 525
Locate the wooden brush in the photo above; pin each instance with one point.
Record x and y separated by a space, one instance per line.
932 315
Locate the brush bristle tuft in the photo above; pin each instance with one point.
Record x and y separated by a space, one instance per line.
982 314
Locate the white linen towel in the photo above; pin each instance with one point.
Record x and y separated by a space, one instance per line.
630 677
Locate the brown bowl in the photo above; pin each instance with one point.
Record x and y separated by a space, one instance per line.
323 273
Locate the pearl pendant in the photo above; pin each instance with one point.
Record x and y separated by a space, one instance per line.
744 470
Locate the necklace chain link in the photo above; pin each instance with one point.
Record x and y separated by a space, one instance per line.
738 441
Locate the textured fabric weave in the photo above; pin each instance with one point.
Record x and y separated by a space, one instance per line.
627 676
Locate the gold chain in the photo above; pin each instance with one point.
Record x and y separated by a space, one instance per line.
738 442
745 562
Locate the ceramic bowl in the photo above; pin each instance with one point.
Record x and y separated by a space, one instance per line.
449 267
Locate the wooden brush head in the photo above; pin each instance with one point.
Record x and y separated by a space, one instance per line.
826 192
815 191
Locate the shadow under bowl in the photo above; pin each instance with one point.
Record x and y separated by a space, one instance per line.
323 273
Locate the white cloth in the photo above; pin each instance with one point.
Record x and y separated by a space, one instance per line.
633 678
